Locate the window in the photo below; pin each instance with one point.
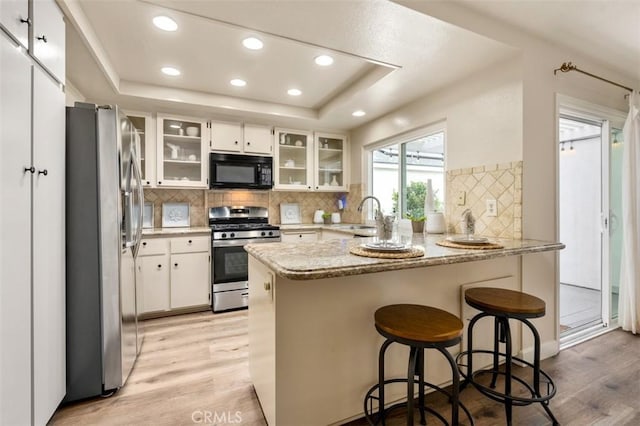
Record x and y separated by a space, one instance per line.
400 168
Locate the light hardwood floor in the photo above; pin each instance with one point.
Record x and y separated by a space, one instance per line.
196 364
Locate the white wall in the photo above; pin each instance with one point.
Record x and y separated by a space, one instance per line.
72 94
483 120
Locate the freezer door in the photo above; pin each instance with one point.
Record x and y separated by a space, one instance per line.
128 310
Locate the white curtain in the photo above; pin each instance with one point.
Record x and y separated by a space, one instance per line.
629 299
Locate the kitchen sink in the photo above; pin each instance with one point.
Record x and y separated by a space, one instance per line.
367 227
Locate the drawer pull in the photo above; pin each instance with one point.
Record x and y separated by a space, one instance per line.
42 38
267 286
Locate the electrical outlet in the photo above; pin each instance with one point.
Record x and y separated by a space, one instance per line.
462 197
492 208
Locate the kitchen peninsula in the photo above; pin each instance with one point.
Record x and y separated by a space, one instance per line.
313 346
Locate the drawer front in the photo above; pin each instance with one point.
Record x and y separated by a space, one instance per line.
190 244
290 237
153 246
230 300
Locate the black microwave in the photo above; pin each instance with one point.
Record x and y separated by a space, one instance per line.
234 171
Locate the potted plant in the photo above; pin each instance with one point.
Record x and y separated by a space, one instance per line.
417 222
326 217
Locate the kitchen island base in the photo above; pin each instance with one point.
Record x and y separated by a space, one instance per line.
313 346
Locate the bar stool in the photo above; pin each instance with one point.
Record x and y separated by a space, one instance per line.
503 305
419 327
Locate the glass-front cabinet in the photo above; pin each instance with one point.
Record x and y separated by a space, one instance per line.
143 123
293 160
330 162
182 147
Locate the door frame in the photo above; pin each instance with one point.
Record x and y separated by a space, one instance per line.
609 118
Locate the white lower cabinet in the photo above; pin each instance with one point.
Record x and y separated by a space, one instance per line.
153 276
333 235
297 236
189 279
174 273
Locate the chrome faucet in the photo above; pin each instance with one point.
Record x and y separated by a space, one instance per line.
469 222
384 226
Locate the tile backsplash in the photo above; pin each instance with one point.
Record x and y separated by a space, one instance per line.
201 200
501 182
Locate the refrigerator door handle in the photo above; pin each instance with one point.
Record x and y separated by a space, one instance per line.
129 240
140 207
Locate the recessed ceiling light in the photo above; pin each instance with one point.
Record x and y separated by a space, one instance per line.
324 60
165 23
170 71
252 43
294 92
358 113
238 82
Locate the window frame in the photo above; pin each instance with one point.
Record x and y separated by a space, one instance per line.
401 140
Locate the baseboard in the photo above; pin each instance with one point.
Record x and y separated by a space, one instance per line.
547 350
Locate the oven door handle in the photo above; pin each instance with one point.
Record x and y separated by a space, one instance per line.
243 242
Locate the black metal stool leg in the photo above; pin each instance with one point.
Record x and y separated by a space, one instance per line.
496 351
472 323
536 369
411 370
508 401
381 354
455 387
420 367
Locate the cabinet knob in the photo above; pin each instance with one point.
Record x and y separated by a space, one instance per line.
248 143
236 142
144 243
267 286
26 21
43 172
30 169
159 182
148 183
159 266
317 187
309 186
300 236
175 264
42 38
190 241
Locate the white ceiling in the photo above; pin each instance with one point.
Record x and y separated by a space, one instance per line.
386 54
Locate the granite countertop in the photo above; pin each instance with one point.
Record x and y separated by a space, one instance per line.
345 228
176 231
331 258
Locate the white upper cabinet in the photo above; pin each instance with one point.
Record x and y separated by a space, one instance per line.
226 136
143 123
293 160
232 137
181 146
303 162
49 37
14 17
331 162
258 139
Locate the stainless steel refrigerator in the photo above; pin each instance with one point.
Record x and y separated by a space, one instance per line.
103 231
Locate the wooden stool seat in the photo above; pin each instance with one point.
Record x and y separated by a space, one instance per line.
418 323
505 302
419 327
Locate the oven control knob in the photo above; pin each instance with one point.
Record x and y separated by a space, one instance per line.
232 235
262 234
270 233
224 235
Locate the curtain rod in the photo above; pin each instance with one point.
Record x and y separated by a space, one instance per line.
568 66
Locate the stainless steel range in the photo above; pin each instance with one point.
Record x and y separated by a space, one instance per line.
232 227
